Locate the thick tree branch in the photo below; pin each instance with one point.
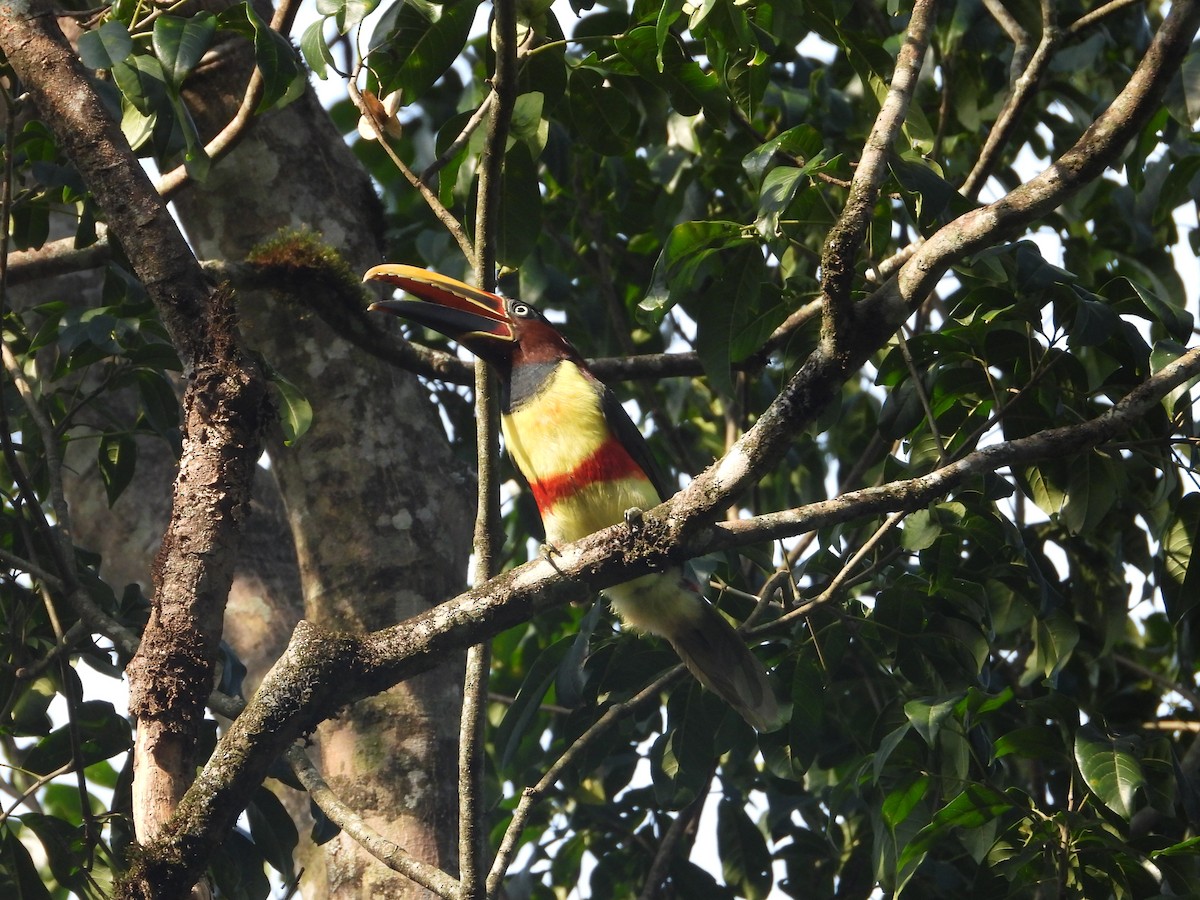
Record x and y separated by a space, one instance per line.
877 317
225 408
321 672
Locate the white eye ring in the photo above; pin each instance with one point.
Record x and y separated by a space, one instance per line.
520 309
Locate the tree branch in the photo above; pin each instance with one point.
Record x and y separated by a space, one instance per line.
488 531
320 672
390 854
916 492
848 233
1024 88
225 406
231 135
877 317
531 796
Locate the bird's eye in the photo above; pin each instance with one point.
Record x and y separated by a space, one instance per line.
520 309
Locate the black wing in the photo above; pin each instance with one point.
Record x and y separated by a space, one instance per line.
629 436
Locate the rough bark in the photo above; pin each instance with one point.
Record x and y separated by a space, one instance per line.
377 506
224 410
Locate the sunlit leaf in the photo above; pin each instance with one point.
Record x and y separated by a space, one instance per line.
104 47
1110 768
180 43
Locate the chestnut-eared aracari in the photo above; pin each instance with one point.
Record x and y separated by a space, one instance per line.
586 465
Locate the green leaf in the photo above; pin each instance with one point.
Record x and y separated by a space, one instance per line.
19 877
1177 321
514 727
297 412
803 142
116 457
315 49
143 83
927 716
1109 768
686 260
66 853
1054 640
721 312
690 88
179 43
237 868
283 75
1091 493
520 207
600 112
745 860
778 191
423 43
1179 576
29 712
352 12
921 530
898 804
528 123
103 733
975 806
105 46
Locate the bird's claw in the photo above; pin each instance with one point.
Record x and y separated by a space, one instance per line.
633 517
548 551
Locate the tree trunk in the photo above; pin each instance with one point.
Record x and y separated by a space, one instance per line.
377 507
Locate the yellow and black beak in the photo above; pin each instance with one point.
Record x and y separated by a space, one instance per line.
477 319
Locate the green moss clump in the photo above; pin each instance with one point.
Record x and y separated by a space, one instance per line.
298 261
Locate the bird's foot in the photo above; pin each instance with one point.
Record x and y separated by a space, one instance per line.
633 517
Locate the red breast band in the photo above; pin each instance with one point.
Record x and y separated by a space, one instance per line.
610 462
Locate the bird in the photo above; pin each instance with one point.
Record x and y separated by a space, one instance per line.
587 466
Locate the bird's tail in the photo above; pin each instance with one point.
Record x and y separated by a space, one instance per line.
669 604
719 659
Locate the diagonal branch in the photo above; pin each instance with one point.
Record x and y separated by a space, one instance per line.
877 317
1029 69
394 857
320 672
237 127
848 233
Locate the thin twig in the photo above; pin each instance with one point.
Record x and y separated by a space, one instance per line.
237 127
1188 693
683 821
430 197
922 395
390 854
473 123
533 795
38 784
1024 87
471 825
1089 18
851 564
1022 42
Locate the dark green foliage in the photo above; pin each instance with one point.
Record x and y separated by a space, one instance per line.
996 701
